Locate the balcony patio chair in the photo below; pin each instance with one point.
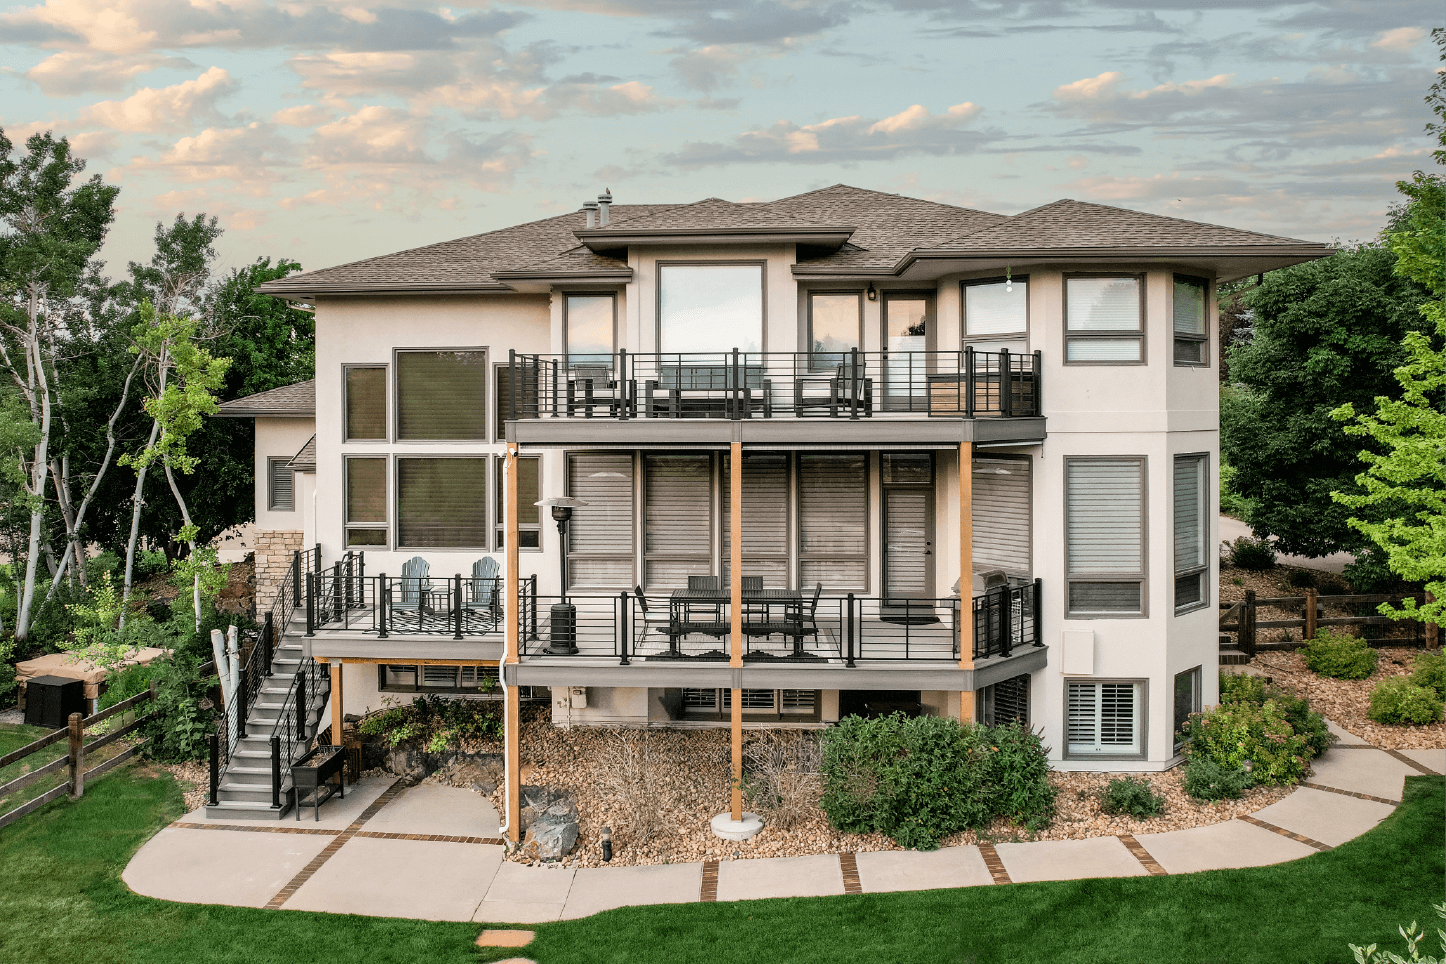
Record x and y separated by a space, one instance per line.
805 621
654 620
416 585
702 583
752 583
592 386
839 389
483 594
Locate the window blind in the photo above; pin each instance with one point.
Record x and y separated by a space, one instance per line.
442 503
442 395
282 497
765 519
1191 337
990 310
833 521
1002 515
1105 534
366 502
529 492
366 404
1099 312
678 516
600 536
1103 718
1191 526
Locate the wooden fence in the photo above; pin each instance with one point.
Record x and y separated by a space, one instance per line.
1241 618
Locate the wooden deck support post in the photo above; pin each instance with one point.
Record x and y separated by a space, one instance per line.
337 702
735 642
966 574
511 745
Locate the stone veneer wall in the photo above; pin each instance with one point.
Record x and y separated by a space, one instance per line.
274 549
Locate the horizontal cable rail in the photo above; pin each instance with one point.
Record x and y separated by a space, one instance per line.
737 385
343 597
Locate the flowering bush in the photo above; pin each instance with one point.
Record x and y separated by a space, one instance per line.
1260 733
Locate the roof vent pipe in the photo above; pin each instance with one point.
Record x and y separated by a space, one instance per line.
591 208
604 203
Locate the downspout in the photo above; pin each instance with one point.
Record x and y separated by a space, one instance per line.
507 695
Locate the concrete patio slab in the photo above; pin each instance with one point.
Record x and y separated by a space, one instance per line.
336 813
1331 818
536 885
220 866
1220 846
433 809
427 880
891 870
815 876
1434 760
1068 859
516 912
596 889
1363 771
1344 737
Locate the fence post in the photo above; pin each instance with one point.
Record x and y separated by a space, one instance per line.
77 756
214 752
276 773
310 604
456 607
849 634
1310 614
1247 623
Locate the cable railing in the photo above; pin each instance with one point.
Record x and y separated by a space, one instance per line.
736 384
344 598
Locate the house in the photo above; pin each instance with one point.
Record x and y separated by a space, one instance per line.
975 455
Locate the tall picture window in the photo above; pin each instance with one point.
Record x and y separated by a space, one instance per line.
1192 338
366 403
366 502
1104 319
600 537
1192 565
442 395
442 503
1105 718
529 491
710 308
1105 536
835 326
833 522
280 488
677 519
588 324
765 518
1187 700
996 314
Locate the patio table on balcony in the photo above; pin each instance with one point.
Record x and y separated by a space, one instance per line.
756 603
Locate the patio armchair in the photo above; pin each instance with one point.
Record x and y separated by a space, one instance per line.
484 590
840 388
592 386
805 621
654 620
416 586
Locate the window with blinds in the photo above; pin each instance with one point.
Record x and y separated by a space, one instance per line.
996 314
1005 702
366 502
758 704
1192 563
529 492
1104 719
600 535
1001 515
1105 535
765 519
366 403
1104 319
410 678
833 522
442 503
1192 339
442 395
280 486
677 519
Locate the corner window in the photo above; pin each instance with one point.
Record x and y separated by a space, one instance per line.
1105 536
366 403
1187 700
835 326
1192 567
710 308
366 502
1104 319
588 326
280 490
1192 339
442 395
1104 719
441 503
996 314
1005 701
529 491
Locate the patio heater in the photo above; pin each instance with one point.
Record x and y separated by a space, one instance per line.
563 622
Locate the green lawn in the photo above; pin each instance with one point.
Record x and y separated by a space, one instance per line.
12 737
63 901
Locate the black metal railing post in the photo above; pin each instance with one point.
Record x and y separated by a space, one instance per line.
301 705
853 384
624 601
1006 621
735 397
533 603
512 382
849 634
215 759
558 375
240 704
337 579
1006 384
310 604
968 381
268 633
1038 374
361 576
457 606
295 576
1036 610
383 604
276 773
620 378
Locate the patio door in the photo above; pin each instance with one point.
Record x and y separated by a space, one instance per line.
909 543
908 339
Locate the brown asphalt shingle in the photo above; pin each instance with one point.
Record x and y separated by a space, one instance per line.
298 400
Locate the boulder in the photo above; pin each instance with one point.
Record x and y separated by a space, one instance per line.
549 818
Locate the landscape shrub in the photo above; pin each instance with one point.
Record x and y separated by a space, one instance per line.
1430 672
7 671
1413 935
782 775
1207 780
1399 701
184 714
920 779
1241 688
1308 724
1233 733
1253 554
1300 578
435 722
151 562
1339 657
129 682
1132 796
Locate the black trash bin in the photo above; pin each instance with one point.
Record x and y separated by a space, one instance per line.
563 635
49 701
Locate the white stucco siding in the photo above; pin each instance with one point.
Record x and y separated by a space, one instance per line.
280 438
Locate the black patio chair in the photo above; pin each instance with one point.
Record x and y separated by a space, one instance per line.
805 621
653 620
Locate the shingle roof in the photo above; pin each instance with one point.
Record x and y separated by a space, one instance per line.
306 458
296 401
717 213
578 260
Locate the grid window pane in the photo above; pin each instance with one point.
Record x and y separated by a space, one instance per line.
442 503
366 404
442 395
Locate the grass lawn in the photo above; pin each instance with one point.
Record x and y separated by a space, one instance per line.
15 735
63 901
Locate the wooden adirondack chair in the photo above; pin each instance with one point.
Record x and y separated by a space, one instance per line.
484 589
416 584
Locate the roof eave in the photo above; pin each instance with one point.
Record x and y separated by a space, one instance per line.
1293 253
309 292
222 412
604 239
612 275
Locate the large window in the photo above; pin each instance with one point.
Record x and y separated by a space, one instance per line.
366 403
366 502
1187 700
1104 319
600 536
1105 719
1105 535
529 491
833 522
1192 339
1191 533
835 325
442 395
677 517
442 503
280 490
765 518
588 326
710 308
996 314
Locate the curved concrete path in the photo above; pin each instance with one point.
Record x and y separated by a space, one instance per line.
431 853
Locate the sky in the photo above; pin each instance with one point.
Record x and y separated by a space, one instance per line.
331 131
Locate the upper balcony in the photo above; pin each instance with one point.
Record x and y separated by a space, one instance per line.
777 397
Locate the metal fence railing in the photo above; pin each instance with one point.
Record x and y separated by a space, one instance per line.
345 598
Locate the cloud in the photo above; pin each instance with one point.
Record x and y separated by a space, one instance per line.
708 68
72 72
303 115
152 110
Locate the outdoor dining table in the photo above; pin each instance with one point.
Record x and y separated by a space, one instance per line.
757 602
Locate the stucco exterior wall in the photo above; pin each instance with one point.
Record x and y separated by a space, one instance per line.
278 438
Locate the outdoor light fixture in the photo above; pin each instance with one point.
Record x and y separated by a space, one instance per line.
607 844
1008 279
872 293
564 616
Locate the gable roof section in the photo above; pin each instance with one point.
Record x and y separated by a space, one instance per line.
305 460
288 401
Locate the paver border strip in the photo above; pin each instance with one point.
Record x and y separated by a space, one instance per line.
1418 767
1142 855
849 864
709 891
432 837
329 851
1349 793
996 866
263 828
1301 838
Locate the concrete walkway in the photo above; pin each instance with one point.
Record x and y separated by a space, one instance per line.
431 853
1232 529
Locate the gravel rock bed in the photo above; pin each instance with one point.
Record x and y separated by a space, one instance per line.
194 779
1344 702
